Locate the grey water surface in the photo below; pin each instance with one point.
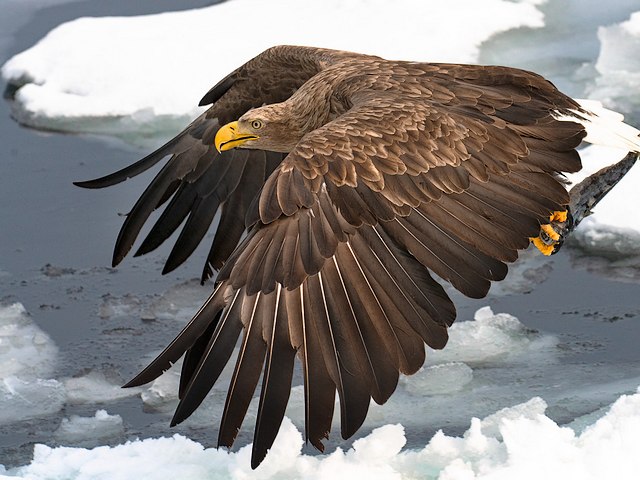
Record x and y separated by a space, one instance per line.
56 242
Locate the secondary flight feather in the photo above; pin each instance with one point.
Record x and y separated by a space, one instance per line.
345 185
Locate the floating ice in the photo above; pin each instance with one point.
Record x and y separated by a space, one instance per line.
519 442
618 65
95 387
489 338
473 375
530 410
162 394
80 431
27 361
441 379
178 302
22 399
115 74
25 350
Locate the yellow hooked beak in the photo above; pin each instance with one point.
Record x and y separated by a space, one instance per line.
230 136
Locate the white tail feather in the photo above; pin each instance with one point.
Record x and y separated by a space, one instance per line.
603 126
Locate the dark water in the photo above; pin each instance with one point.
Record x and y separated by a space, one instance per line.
56 242
46 221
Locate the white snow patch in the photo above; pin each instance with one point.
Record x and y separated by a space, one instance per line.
531 409
114 74
519 442
89 431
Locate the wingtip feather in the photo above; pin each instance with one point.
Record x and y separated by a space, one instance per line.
604 126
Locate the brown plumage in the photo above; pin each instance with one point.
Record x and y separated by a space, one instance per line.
356 180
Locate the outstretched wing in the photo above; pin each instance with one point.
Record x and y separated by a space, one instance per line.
336 267
197 181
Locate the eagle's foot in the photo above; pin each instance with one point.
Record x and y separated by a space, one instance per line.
552 234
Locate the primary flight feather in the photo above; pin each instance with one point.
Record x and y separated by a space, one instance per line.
345 183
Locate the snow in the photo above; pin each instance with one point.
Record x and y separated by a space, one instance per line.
508 444
491 361
118 73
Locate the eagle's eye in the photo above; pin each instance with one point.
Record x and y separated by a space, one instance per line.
256 124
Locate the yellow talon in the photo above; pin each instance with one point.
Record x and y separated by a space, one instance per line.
543 247
549 237
548 229
558 216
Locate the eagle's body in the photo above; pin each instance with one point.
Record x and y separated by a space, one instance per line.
355 179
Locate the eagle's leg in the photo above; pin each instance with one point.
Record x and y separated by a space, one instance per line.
583 197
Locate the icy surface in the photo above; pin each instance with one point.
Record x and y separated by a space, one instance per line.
22 399
508 444
489 362
179 302
114 74
80 431
28 359
490 337
25 350
618 65
27 363
495 360
95 387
